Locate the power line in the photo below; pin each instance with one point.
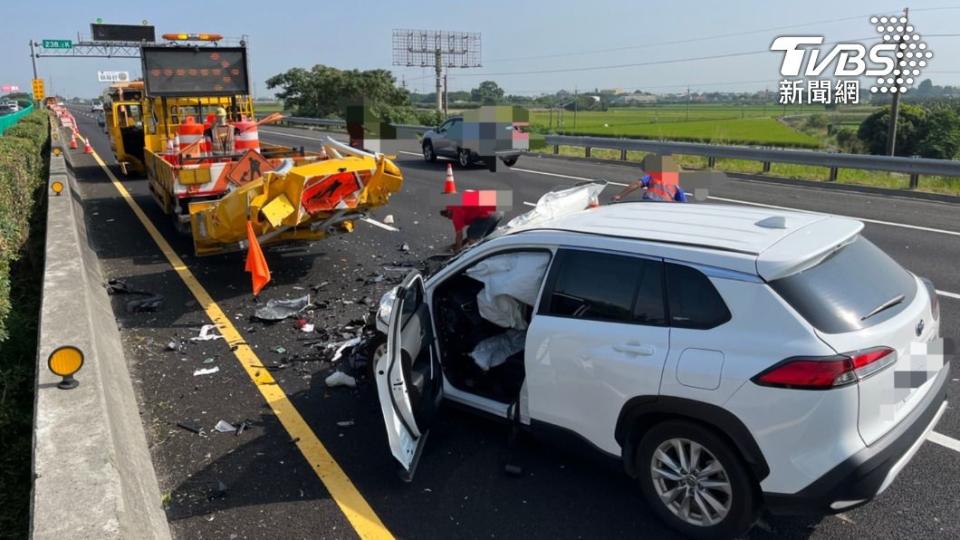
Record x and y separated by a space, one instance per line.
699 39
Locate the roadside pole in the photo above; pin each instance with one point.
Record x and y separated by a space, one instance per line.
33 60
898 89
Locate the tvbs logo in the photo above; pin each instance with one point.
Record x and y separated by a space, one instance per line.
895 61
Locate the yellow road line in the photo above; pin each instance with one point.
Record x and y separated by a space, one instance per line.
361 516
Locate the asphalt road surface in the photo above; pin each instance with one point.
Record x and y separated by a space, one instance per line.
259 485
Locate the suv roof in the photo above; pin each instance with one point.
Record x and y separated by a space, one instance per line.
783 241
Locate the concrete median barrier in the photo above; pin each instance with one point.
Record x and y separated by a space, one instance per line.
94 478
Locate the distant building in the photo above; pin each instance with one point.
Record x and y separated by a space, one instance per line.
638 99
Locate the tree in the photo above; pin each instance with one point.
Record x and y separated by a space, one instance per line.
911 130
325 91
943 134
488 93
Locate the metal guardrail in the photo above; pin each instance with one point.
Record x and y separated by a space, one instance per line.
834 161
906 165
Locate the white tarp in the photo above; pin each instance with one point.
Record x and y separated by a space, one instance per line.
495 350
508 280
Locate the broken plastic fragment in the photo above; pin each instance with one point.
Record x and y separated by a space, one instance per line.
307 328
342 347
388 220
206 371
277 310
345 423
339 378
279 350
205 333
224 427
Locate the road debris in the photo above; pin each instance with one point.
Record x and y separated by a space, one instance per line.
346 423
277 310
206 333
141 305
172 346
190 426
342 346
279 350
225 427
339 378
405 247
206 371
388 220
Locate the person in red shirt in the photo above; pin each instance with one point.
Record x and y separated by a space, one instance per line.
479 221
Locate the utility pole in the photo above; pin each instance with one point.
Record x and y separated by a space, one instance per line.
445 95
439 70
898 89
33 58
688 103
576 105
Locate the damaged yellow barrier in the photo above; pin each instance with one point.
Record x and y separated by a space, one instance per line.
305 202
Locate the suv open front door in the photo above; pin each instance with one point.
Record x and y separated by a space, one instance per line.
409 380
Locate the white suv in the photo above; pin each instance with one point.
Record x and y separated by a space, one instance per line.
732 358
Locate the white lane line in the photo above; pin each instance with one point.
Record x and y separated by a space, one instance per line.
943 440
381 225
408 153
285 134
868 220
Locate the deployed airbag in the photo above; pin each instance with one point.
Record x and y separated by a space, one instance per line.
495 350
508 280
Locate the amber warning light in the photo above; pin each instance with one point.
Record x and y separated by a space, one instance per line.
65 361
192 37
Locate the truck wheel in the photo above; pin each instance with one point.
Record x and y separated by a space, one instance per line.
428 154
694 481
510 161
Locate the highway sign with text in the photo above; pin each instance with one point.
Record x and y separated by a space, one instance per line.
56 44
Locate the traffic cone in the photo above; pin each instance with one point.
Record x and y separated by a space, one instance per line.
448 185
87 149
73 141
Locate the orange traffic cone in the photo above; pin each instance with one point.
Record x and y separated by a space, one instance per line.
448 185
87 149
73 141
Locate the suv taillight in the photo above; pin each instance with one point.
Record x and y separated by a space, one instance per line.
822 373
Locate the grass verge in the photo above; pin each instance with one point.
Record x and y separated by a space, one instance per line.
23 166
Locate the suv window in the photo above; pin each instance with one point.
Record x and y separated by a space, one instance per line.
694 301
604 287
839 294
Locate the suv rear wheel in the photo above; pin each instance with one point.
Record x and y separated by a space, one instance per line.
694 481
463 158
428 154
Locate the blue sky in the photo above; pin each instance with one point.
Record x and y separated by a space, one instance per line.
518 37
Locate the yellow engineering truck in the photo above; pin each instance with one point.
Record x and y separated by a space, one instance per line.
189 127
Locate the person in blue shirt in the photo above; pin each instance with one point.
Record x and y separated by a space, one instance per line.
661 183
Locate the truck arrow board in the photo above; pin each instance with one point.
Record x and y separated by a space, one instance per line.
56 44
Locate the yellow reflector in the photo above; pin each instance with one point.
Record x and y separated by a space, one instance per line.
277 209
65 361
56 186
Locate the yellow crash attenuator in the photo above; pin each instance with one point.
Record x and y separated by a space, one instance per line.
65 361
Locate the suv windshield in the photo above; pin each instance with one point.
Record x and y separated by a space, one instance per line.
856 287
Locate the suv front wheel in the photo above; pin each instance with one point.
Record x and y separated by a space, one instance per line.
695 481
428 154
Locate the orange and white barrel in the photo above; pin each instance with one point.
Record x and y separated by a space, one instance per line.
190 135
248 137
